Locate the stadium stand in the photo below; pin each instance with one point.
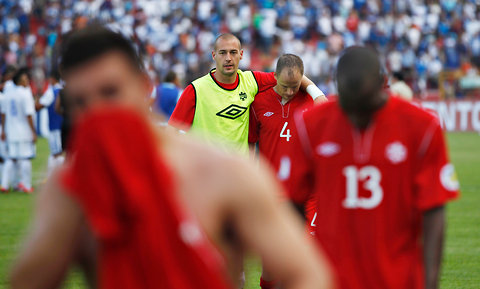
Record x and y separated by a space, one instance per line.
426 40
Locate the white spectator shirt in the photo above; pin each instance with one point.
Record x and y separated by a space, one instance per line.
17 104
8 86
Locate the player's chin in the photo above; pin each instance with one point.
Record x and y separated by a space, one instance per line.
229 72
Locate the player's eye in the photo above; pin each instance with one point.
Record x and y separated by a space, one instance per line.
77 101
109 91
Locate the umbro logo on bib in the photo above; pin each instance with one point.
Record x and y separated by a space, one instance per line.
232 111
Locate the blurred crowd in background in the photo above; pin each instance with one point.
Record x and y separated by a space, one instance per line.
434 44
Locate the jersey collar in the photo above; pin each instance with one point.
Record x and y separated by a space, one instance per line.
225 86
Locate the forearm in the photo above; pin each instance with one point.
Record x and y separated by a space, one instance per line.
3 122
51 243
433 234
38 106
305 83
271 228
309 87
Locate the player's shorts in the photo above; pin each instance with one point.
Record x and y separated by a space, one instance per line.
55 142
311 216
3 149
21 149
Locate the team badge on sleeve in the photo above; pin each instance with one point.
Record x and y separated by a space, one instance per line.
448 178
396 152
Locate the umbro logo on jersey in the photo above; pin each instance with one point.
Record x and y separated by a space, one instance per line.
396 152
232 111
243 96
328 149
267 114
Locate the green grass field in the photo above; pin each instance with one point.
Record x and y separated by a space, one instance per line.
461 267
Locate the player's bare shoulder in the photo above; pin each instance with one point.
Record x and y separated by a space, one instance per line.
210 168
204 165
414 116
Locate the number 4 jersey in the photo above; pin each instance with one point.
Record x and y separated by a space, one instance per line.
371 188
272 125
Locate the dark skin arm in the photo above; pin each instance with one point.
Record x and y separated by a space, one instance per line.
38 105
3 128
433 234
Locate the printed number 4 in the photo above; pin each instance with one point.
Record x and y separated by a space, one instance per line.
282 133
371 177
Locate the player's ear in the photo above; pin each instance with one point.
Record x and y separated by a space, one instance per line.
213 54
241 53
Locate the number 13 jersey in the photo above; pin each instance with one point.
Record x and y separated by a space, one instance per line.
371 188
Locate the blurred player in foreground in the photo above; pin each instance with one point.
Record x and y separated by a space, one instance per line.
271 123
380 175
163 210
18 109
216 106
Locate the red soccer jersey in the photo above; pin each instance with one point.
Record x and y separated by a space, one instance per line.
272 126
371 188
184 112
146 238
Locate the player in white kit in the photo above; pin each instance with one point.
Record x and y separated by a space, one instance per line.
7 84
18 109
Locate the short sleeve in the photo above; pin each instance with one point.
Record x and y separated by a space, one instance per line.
253 126
29 103
265 80
47 98
184 112
435 179
299 180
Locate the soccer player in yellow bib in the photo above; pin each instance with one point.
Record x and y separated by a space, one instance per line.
216 106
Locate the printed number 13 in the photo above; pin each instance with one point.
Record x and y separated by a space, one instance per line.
371 177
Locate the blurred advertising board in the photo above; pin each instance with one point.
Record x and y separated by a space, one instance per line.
456 115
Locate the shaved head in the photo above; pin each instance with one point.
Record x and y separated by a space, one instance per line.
359 80
227 37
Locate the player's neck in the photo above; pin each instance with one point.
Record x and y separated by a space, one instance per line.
359 121
225 79
283 100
